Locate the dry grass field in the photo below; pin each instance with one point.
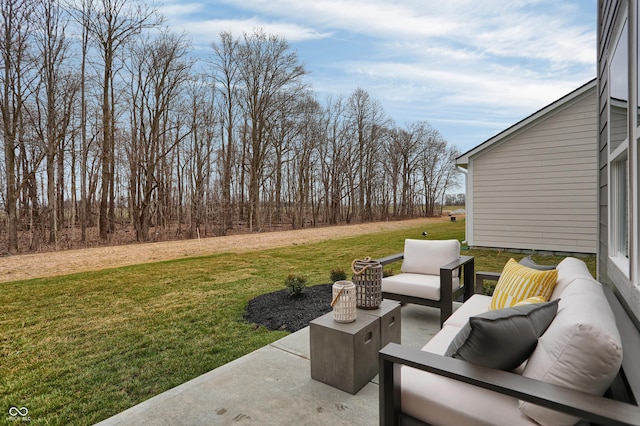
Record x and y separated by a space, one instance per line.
92 259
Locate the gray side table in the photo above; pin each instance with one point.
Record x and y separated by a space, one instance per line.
345 355
390 321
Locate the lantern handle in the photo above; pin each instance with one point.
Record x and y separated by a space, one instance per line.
364 268
335 299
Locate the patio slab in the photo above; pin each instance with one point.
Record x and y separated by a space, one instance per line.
272 386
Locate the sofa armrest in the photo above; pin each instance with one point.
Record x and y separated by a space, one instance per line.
482 276
590 407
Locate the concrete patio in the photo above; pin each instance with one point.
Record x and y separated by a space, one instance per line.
273 386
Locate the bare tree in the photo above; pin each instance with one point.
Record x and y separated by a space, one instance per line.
14 32
201 96
56 95
334 161
267 70
226 62
438 167
159 68
112 24
83 17
367 119
303 153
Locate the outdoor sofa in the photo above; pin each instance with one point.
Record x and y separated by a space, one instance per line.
575 360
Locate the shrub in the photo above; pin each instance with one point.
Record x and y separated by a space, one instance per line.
338 274
488 287
295 284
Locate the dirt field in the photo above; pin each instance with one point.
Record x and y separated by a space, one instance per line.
66 262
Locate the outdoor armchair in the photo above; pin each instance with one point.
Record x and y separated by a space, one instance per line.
432 274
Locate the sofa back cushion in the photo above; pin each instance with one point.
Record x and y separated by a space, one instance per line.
427 256
581 349
569 269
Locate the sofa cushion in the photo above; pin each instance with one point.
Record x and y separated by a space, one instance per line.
475 305
417 285
530 263
428 256
518 282
504 338
581 349
440 342
438 400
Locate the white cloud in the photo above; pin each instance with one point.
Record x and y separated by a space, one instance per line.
485 62
210 30
192 19
181 9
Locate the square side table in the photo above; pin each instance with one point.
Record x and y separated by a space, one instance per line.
345 355
390 321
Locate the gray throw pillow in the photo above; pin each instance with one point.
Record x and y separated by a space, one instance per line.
529 263
503 339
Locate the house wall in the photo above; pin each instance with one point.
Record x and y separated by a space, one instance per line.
537 189
611 14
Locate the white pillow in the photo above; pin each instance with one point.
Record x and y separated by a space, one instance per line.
427 256
581 349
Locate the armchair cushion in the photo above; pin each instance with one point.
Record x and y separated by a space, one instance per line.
427 256
504 338
416 285
517 283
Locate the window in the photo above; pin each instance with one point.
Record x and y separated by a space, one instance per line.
618 158
620 206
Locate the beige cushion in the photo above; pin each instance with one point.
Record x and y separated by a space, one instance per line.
438 400
428 256
581 349
439 343
477 304
417 285
569 269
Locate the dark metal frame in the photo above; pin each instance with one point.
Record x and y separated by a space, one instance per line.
447 295
618 407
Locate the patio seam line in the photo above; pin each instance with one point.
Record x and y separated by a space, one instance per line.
298 354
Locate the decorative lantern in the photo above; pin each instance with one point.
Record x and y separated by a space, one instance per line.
344 301
367 277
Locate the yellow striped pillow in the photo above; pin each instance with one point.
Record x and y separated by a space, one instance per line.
531 301
517 283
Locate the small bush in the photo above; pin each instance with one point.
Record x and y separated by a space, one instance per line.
295 284
488 287
338 274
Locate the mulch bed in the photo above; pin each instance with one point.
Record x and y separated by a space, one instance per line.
281 311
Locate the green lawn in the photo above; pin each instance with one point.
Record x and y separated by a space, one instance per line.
77 349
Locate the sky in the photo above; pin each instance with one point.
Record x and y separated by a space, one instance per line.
471 68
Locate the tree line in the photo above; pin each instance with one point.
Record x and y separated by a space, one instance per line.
109 119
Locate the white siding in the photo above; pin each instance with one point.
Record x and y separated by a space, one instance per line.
537 189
